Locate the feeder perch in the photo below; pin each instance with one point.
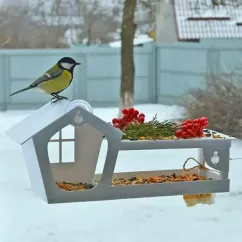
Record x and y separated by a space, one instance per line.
34 133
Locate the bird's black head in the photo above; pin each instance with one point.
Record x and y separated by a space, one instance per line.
68 63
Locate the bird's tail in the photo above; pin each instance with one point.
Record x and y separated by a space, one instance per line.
22 90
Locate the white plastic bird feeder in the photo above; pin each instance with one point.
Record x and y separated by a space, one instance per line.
88 136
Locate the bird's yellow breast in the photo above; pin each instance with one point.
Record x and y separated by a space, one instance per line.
58 84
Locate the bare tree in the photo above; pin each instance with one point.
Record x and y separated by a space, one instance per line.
127 58
220 101
18 30
150 6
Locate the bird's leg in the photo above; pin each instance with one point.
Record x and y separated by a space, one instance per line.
61 97
57 98
54 99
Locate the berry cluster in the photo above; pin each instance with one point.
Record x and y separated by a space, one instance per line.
129 116
192 128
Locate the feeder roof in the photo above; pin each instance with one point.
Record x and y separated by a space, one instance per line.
48 114
37 121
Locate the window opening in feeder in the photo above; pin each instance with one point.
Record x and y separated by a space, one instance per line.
53 153
215 158
68 132
61 146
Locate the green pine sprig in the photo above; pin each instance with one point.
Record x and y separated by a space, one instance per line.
153 129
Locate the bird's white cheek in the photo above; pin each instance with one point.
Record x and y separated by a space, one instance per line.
67 66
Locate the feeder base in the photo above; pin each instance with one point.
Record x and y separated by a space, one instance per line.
103 192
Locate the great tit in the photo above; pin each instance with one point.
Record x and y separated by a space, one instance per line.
55 80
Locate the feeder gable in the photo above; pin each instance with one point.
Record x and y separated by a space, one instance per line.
42 119
37 121
76 115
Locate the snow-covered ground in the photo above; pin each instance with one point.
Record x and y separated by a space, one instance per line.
25 217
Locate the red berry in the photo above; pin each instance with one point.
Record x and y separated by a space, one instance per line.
202 121
184 135
192 135
205 124
192 129
184 127
136 113
204 118
189 125
119 120
189 132
131 110
200 133
178 133
196 126
129 119
124 111
196 121
141 115
141 120
114 120
189 121
133 116
125 116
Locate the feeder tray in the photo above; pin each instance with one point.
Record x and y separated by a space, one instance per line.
47 178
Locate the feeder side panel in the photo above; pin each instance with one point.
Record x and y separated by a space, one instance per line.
33 168
223 155
110 162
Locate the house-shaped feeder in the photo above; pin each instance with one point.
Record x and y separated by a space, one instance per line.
35 132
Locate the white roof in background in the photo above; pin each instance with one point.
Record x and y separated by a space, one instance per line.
140 39
197 29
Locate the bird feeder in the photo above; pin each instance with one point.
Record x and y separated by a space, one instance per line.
35 132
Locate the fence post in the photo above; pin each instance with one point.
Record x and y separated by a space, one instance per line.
213 60
4 82
153 74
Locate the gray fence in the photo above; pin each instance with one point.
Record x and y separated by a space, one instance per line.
163 73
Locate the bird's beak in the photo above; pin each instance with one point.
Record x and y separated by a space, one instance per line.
77 63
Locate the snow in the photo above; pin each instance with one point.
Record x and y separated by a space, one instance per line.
71 35
25 217
140 39
114 35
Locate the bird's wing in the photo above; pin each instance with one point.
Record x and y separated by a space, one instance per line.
54 72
